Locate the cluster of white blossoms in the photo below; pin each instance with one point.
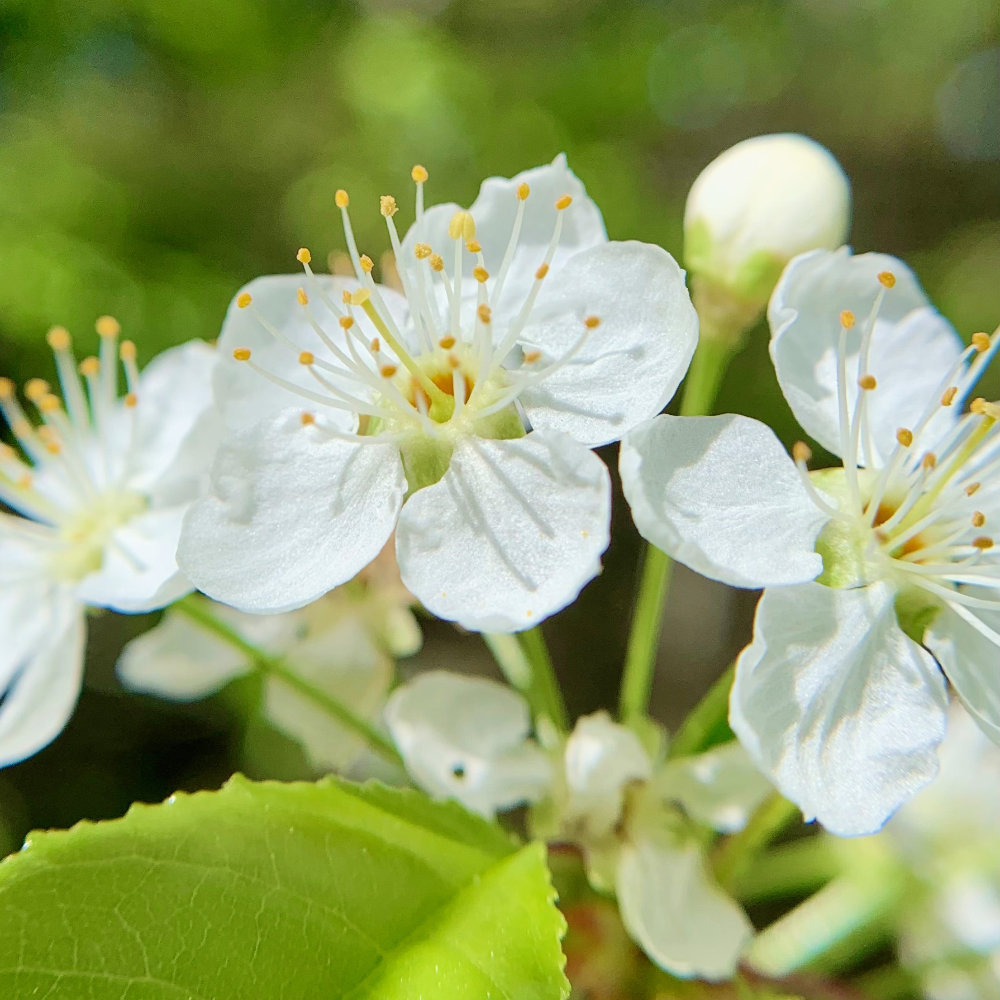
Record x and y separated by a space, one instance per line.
460 414
642 823
879 574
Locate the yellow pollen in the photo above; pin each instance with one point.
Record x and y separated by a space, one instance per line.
422 251
978 519
127 351
541 272
867 382
90 367
366 263
847 319
462 226
447 343
886 279
480 274
307 419
242 354
36 388
564 202
981 341
345 297
6 388
107 326
453 361
53 447
387 371
58 338
904 436
592 322
360 297
243 300
25 481
437 262
983 543
131 400
49 403
484 313
948 396
375 346
473 246
801 452
387 205
300 294
306 358
419 174
304 256
929 460
523 191
342 198
346 322
530 357
972 488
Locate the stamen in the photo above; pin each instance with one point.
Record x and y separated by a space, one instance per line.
978 519
887 279
948 397
387 206
904 436
563 203
981 342
801 452
983 542
867 382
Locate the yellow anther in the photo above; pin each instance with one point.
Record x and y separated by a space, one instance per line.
801 452
387 371
300 294
436 261
978 519
453 361
485 313
35 388
375 345
242 354
345 297
342 198
592 322
107 326
473 246
847 319
983 543
867 382
422 251
307 419
564 202
367 264
53 447
346 322
972 488
480 274
131 400
49 403
387 205
523 191
541 272
530 357
306 358
447 343
904 436
90 367
981 341
25 482
419 174
58 338
886 279
360 297
20 428
948 396
6 388
243 300
929 460
462 226
303 256
977 405
127 351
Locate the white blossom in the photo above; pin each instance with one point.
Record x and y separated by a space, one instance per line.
459 413
869 568
98 486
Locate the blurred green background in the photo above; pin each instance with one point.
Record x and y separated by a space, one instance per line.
156 154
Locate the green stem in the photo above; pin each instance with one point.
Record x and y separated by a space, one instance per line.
273 666
739 852
704 719
794 869
544 694
700 389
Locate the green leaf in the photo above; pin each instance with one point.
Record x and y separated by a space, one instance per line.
281 892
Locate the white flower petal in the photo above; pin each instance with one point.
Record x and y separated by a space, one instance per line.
676 913
720 788
630 365
970 661
912 348
509 535
838 705
292 514
721 495
139 568
466 738
39 698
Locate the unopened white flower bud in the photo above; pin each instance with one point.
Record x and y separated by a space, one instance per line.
758 205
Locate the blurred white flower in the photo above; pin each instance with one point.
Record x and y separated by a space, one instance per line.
98 488
460 414
758 205
344 645
837 697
